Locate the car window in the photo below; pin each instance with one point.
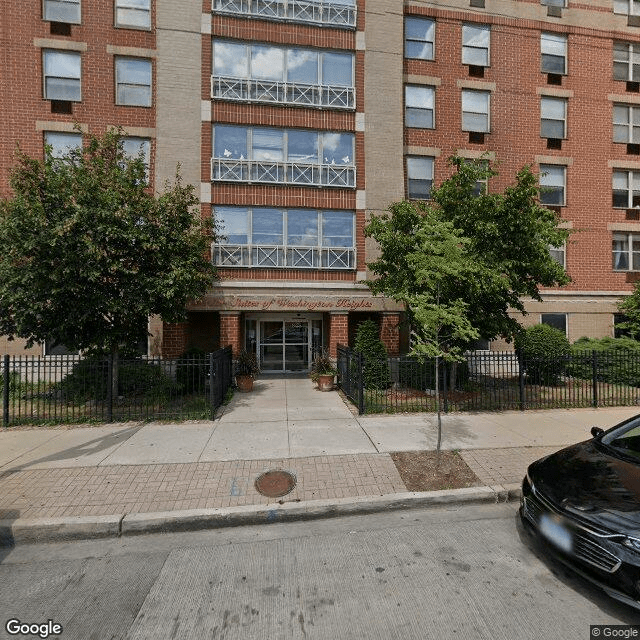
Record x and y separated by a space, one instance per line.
626 439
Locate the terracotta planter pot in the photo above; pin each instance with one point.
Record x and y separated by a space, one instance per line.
325 383
245 383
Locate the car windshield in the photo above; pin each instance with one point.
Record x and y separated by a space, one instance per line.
625 438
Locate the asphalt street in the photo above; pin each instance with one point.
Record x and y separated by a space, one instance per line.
456 572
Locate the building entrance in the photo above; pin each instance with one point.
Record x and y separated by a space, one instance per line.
284 344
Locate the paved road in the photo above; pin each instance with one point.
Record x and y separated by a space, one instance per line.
434 573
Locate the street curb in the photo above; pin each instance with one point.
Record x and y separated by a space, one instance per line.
90 527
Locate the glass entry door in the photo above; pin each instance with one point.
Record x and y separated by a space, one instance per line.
284 345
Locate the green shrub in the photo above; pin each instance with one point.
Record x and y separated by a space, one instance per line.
15 383
413 374
376 362
89 380
543 353
617 360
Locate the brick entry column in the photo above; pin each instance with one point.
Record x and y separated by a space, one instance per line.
390 332
338 331
231 331
175 337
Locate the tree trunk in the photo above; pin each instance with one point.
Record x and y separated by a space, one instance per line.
438 406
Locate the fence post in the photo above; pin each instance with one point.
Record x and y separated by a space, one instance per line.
521 381
5 391
211 385
110 388
594 365
445 399
360 362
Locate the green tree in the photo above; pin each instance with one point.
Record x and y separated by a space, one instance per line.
630 307
507 234
89 253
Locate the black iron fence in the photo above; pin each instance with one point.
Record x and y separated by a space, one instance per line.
67 389
488 380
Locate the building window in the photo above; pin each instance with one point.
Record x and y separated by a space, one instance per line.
62 143
133 82
335 13
626 189
62 11
559 254
552 183
626 61
419 177
419 106
553 53
286 156
626 123
135 14
553 3
475 44
264 73
475 110
553 117
54 349
62 76
627 7
419 38
626 252
556 320
289 238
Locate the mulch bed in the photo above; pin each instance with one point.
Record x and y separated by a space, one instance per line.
428 471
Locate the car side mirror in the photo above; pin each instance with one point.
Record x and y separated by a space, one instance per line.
596 432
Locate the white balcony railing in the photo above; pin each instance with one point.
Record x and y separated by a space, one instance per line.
269 256
291 173
320 12
272 91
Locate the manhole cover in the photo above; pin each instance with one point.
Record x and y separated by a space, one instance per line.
275 484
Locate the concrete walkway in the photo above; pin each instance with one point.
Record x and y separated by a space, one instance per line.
97 480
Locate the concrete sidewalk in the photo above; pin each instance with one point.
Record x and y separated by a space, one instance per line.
118 479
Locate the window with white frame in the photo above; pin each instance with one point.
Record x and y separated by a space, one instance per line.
482 185
553 117
559 254
289 238
62 11
626 189
419 106
627 7
553 53
134 147
287 156
419 38
133 81
475 110
475 44
626 251
626 61
268 73
62 71
556 320
554 3
135 14
626 123
419 177
62 143
553 184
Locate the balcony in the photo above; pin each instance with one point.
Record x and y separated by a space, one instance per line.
274 92
285 173
278 256
319 12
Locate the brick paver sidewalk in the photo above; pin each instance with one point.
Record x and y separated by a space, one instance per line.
109 490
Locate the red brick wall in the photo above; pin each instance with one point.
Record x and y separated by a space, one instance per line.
175 338
231 331
515 124
21 88
390 332
338 332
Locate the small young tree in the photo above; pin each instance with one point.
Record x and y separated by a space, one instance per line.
89 253
376 365
630 307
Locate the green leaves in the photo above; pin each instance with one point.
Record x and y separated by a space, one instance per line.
88 253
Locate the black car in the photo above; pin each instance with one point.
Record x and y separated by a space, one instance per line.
584 503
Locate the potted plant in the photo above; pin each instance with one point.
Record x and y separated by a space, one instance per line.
246 370
323 371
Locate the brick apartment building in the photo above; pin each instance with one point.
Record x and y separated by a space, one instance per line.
296 120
